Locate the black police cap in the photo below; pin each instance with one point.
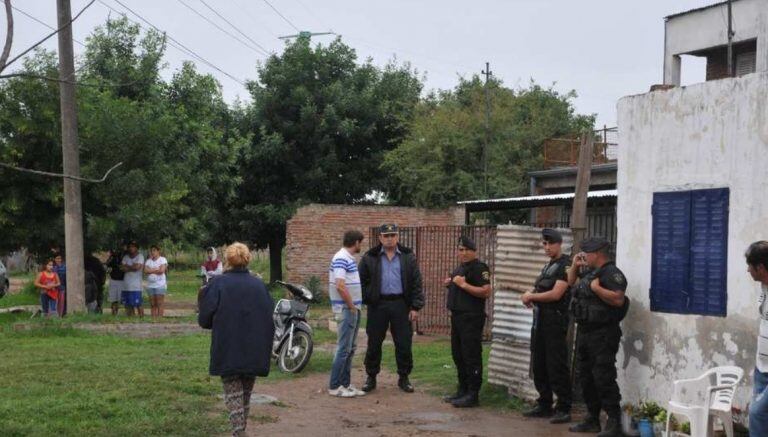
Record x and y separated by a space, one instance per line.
594 244
467 242
551 236
388 228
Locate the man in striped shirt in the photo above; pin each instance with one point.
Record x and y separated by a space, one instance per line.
345 292
757 265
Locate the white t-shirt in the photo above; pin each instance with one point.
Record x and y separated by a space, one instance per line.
155 280
132 280
344 266
762 338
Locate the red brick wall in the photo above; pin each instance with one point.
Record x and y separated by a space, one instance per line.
315 232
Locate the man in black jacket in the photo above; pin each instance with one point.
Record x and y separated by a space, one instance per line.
391 283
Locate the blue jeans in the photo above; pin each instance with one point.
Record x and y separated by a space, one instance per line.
758 408
345 349
47 304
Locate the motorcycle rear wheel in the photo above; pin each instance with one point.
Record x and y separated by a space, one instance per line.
294 357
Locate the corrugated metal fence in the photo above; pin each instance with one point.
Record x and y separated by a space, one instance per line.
435 248
519 259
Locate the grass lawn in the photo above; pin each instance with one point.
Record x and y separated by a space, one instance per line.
433 366
63 381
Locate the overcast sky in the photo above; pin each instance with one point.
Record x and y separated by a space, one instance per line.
603 49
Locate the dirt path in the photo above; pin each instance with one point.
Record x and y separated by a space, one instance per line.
304 408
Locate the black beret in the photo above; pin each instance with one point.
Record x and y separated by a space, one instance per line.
388 228
551 236
594 244
467 242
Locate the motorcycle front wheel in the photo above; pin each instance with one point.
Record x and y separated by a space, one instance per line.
294 357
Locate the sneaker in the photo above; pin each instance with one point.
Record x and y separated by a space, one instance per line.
354 390
341 392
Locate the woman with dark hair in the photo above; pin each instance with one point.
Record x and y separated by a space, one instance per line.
238 309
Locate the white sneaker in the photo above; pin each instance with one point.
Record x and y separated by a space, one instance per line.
341 392
355 392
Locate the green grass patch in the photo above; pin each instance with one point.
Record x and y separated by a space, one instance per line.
433 366
63 381
27 296
24 276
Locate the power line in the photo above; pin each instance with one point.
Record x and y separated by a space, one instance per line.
261 52
234 27
182 46
281 15
255 20
31 17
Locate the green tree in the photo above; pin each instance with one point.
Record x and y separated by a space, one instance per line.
440 162
175 140
320 125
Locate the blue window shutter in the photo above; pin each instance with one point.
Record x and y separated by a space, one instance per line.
670 267
709 252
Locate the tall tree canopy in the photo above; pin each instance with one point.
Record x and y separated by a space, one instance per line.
320 123
173 138
440 161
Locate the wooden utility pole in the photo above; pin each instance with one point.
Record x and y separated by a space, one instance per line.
583 175
73 210
487 72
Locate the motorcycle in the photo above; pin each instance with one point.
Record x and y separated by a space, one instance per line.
292 344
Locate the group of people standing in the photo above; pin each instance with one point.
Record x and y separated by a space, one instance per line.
590 290
51 283
126 273
388 281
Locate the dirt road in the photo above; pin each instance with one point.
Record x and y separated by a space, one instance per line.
304 408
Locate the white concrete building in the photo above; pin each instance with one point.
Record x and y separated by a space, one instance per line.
692 195
704 32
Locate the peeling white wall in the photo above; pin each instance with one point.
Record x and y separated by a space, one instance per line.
708 135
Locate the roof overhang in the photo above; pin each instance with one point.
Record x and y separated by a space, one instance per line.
535 201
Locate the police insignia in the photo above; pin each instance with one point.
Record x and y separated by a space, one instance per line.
486 275
619 278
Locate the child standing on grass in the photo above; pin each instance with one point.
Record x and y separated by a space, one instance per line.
48 283
155 268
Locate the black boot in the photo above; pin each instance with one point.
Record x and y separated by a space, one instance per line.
469 400
560 417
404 384
590 424
539 411
370 383
612 428
460 391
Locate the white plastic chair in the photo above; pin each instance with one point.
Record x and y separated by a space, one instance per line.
716 401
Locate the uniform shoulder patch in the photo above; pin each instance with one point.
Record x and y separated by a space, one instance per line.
486 275
619 278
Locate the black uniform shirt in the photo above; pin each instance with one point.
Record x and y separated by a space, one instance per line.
610 277
555 270
476 273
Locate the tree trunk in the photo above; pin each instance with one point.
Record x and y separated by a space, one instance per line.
276 259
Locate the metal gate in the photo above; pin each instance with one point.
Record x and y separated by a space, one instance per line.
435 249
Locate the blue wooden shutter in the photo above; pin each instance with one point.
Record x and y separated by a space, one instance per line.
670 268
709 252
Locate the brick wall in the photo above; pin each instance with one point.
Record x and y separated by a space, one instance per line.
315 232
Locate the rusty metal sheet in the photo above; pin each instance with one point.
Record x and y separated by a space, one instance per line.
518 261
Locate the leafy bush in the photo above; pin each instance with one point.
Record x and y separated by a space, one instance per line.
315 286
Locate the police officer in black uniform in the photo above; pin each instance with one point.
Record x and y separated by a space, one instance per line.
468 287
598 306
549 351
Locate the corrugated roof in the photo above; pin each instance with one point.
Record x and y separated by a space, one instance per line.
697 9
542 198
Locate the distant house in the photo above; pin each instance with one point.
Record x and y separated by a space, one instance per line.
693 194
